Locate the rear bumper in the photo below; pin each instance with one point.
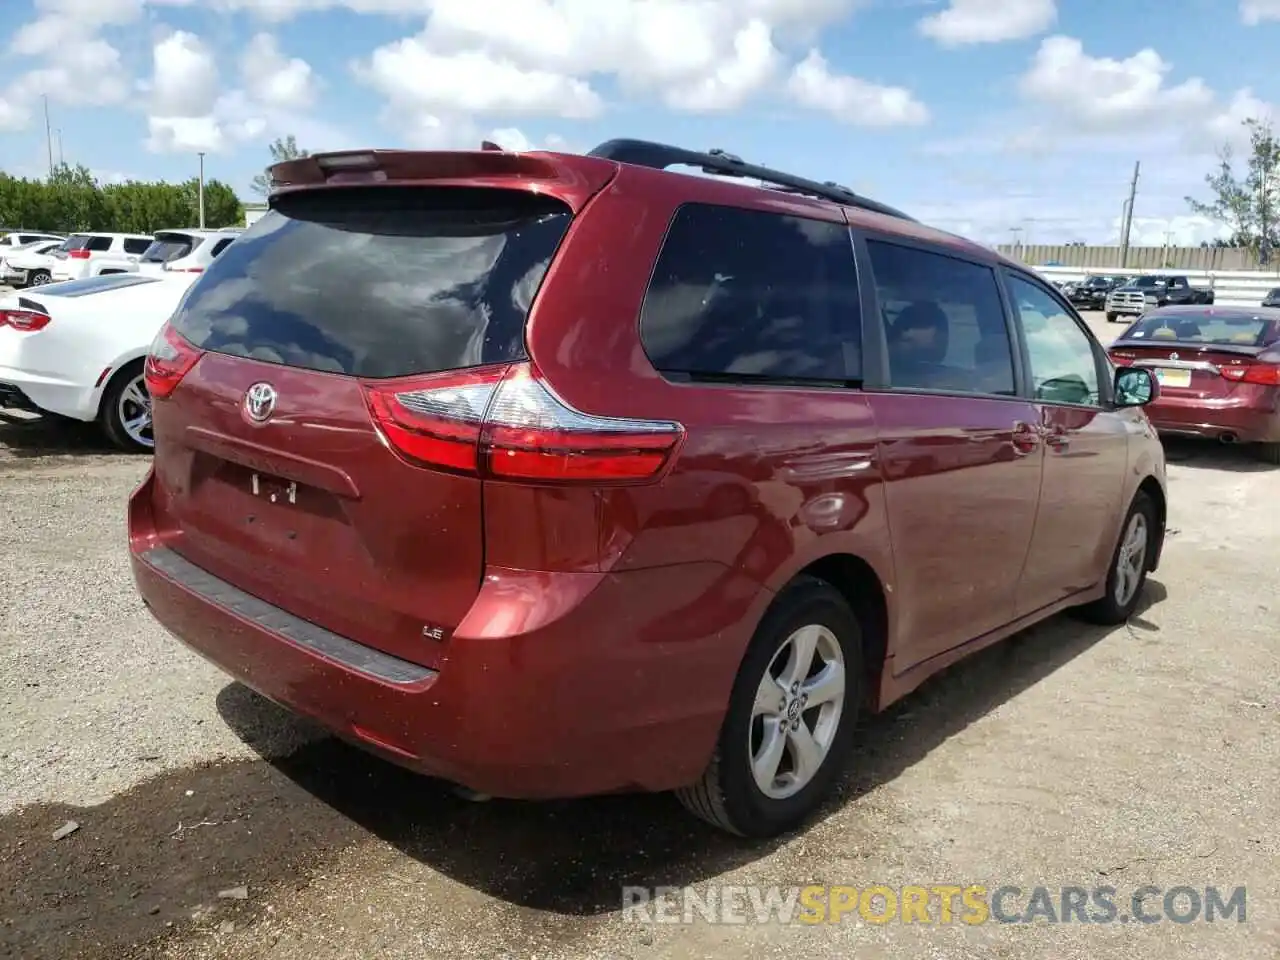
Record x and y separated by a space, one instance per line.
22 390
62 271
554 685
1254 419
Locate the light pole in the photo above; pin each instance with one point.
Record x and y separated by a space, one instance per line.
201 192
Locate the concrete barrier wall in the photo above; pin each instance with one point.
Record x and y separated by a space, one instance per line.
1139 258
1236 288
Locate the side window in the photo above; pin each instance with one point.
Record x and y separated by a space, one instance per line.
219 247
748 294
1064 367
98 243
136 244
944 322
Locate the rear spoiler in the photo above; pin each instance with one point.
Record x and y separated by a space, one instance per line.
1192 346
568 177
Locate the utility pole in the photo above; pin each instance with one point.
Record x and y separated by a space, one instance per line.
48 134
1128 217
202 191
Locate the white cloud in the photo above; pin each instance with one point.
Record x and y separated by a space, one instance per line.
727 86
1254 12
274 79
852 100
184 80
1106 93
966 22
191 111
72 64
416 78
692 55
515 140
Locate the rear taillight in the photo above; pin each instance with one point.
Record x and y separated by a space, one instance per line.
1266 374
505 423
1122 359
26 320
78 254
171 358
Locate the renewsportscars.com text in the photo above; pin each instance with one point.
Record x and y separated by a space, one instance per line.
941 904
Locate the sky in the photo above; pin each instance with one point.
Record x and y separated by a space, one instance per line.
996 119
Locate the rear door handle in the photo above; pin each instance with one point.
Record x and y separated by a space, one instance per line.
1026 439
1057 439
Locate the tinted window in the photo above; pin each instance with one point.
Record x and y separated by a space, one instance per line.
379 282
1217 328
742 294
169 246
1064 367
220 246
944 322
98 243
78 243
136 244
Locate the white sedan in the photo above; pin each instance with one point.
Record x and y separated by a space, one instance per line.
76 349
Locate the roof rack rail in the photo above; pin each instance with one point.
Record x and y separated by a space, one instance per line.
660 156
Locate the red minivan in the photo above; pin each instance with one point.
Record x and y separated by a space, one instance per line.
554 475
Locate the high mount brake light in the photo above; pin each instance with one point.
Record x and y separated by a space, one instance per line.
28 321
1263 374
170 359
504 423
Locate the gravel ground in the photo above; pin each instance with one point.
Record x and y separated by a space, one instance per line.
1069 755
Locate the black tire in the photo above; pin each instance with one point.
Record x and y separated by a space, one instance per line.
727 795
1107 611
110 414
1269 453
38 278
1111 318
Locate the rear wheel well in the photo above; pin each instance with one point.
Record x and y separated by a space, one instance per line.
130 368
861 588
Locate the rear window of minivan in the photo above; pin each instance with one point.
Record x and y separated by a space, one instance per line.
380 282
170 246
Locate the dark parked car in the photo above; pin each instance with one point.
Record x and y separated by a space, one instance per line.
1152 291
1272 299
553 475
1219 371
1091 293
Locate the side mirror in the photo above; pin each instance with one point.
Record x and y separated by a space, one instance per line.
1136 387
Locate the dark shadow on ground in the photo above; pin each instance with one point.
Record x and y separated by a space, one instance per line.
1212 455
149 863
26 436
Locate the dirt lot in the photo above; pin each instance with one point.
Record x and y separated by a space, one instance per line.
1068 756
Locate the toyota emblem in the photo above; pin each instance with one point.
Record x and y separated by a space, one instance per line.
259 401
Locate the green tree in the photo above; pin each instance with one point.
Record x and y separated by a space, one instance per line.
71 201
281 150
1247 202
